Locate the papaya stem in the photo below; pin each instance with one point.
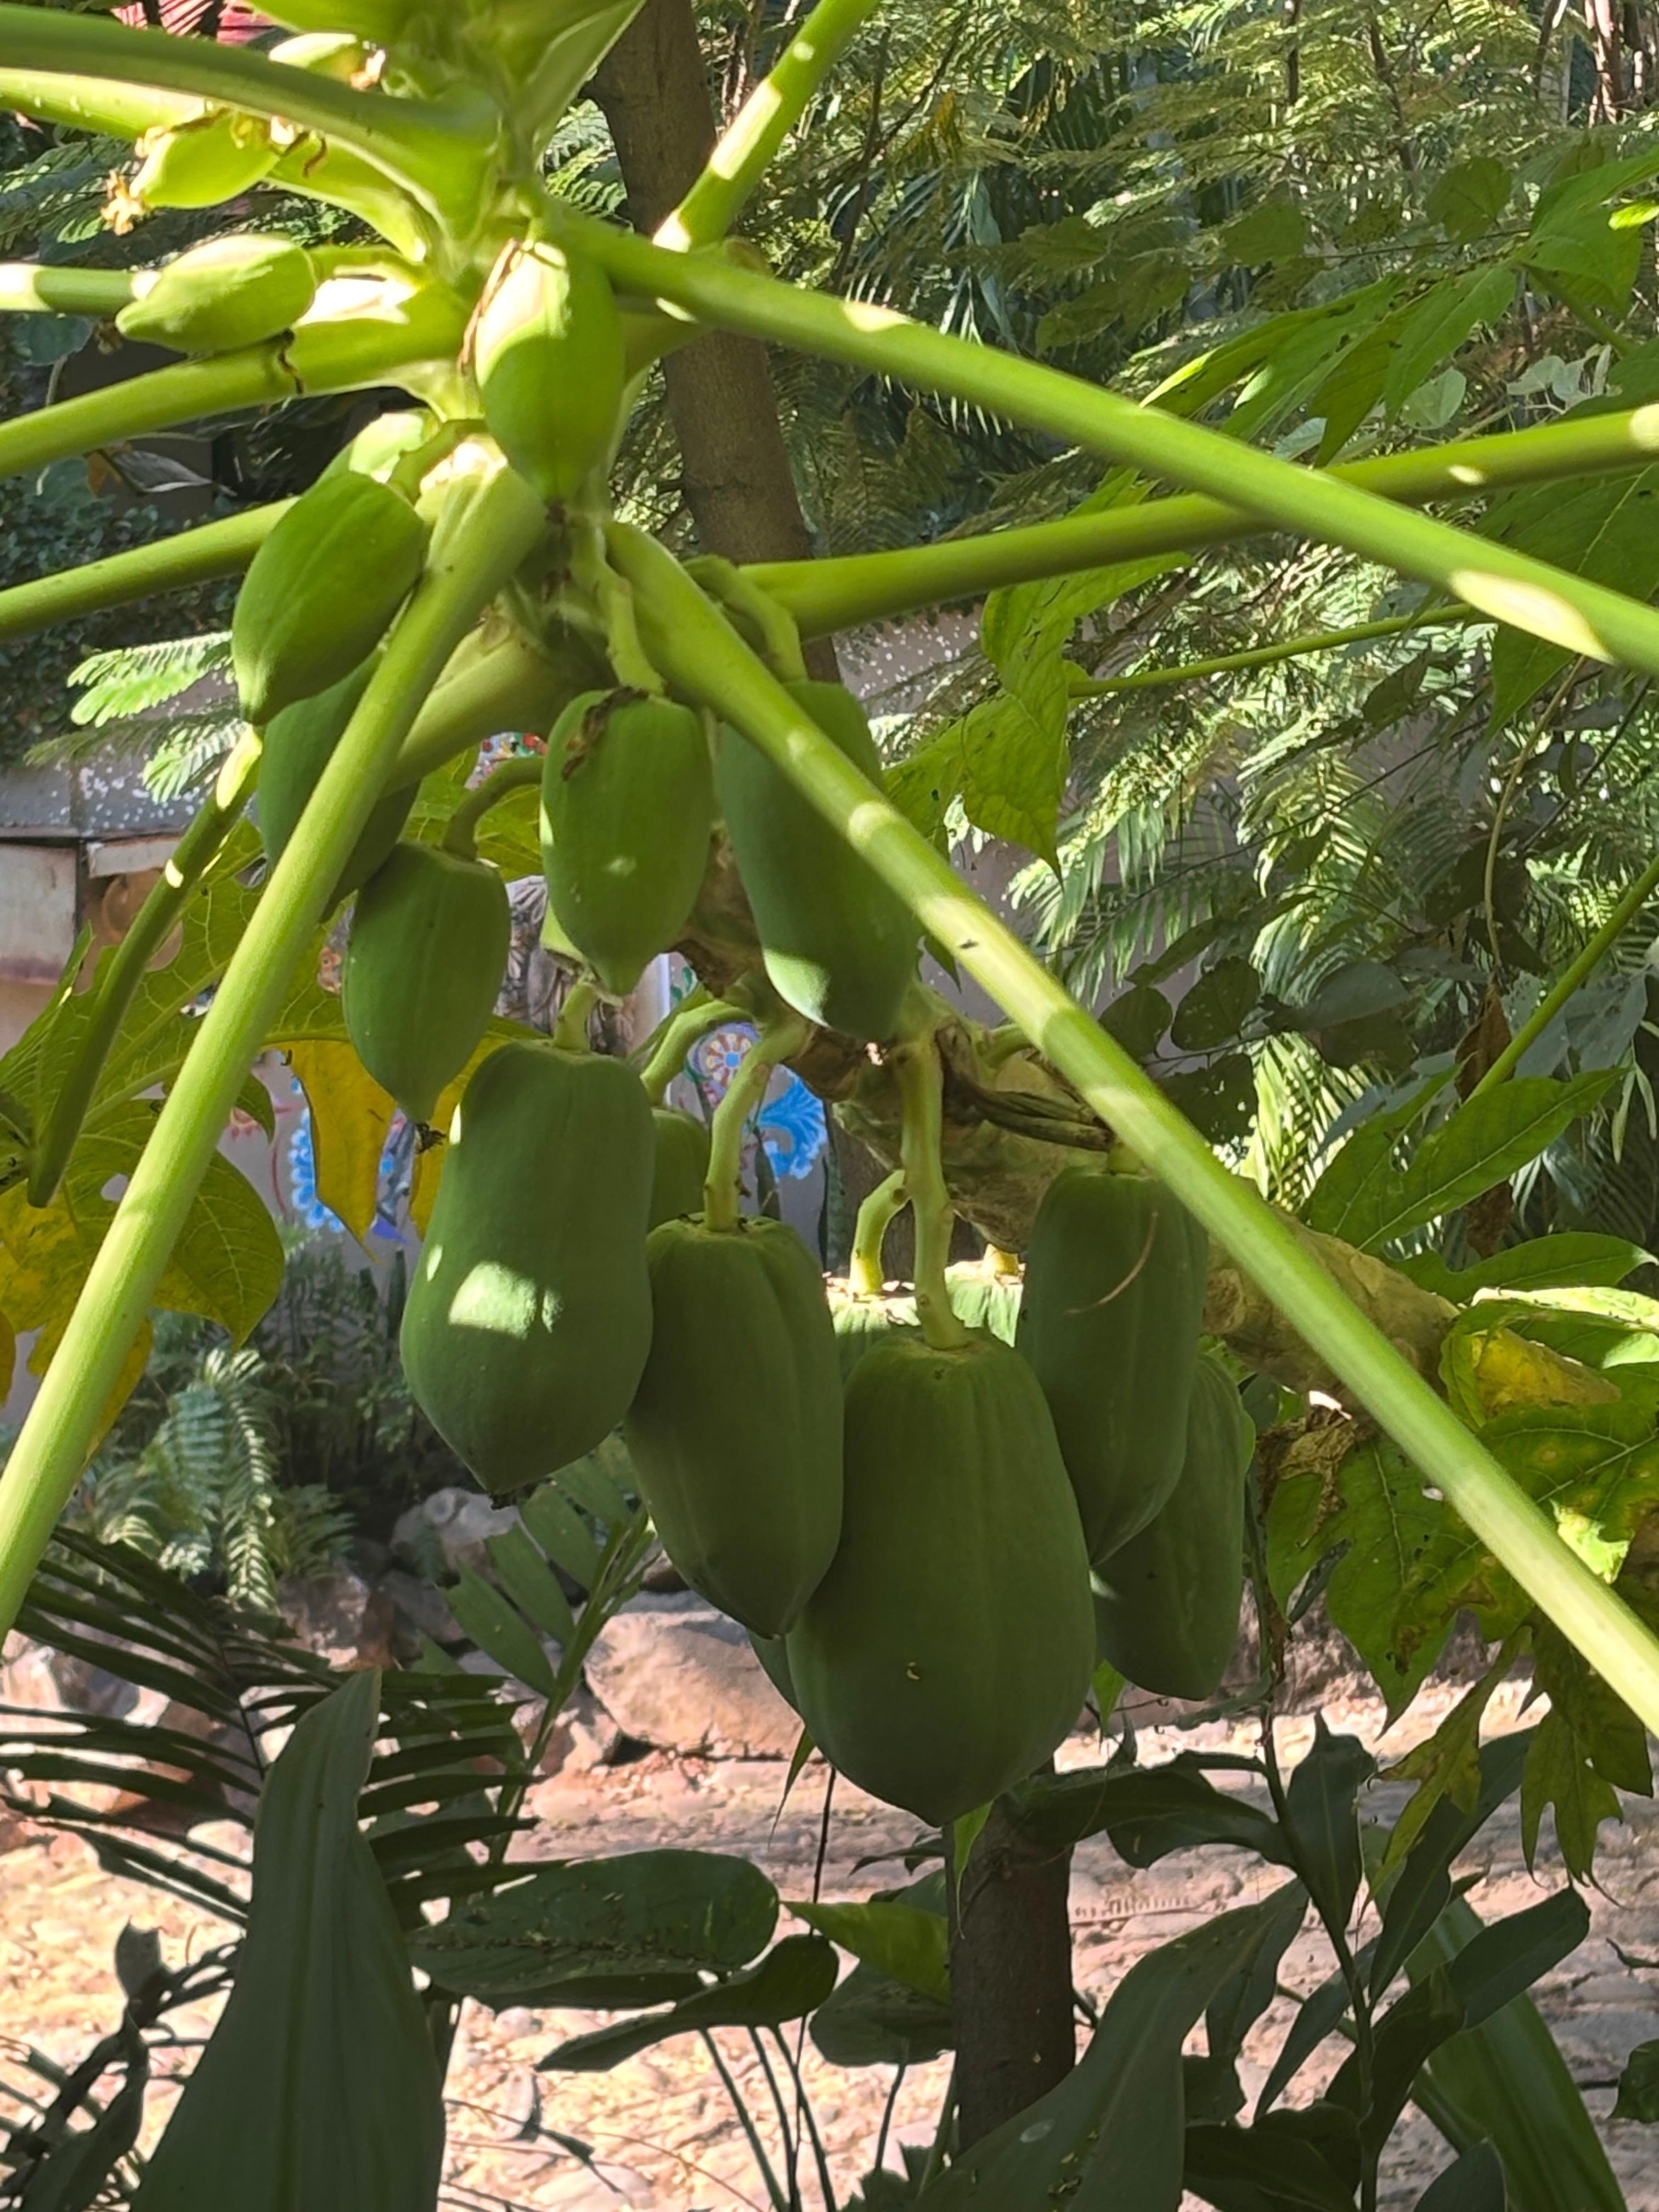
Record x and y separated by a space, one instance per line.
1529 594
760 126
722 1191
755 613
499 522
866 1278
90 103
35 287
921 1076
193 556
461 834
571 1030
707 660
630 663
123 971
676 1036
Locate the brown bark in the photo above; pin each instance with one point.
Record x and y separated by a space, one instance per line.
1011 1977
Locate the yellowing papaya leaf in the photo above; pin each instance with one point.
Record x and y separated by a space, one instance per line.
7 1356
132 1367
349 1117
317 2091
1488 1370
424 1186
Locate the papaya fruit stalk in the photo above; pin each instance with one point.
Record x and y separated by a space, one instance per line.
705 659
778 1037
461 833
864 1272
921 1093
676 1035
492 524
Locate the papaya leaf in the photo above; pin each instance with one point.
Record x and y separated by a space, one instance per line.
1588 1748
1451 1769
1112 2133
792 1980
1574 1257
640 1912
317 2091
351 1115
903 1941
1389 1525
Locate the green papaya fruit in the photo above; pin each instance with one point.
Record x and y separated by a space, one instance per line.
838 945
1110 1319
321 591
424 965
628 810
529 1317
214 156
297 748
735 1431
682 1163
548 355
378 20
950 1647
862 1323
341 55
1166 1603
983 1297
773 1652
227 292
381 444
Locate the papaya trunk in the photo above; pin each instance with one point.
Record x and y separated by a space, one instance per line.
1011 1976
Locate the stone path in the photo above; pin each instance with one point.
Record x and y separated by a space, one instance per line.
661 2130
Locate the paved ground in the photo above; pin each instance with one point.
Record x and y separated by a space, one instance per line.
661 2127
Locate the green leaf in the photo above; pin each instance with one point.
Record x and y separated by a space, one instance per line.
1474 2183
500 1631
1432 331
1322 1820
903 1941
1574 1256
1111 2134
1467 200
1356 1184
1215 1008
1602 528
1582 255
227 1262
1219 1100
317 2091
1455 1778
1388 1525
872 2020
1137 1018
1588 1746
639 1912
1272 2166
791 1980
1274 231
1495 1966
531 1584
1147 1813
1638 2085
563 1534
599 1482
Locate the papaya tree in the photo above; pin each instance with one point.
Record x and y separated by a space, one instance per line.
922 1541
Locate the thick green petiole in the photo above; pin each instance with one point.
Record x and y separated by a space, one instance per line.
865 1275
33 288
494 523
571 1030
706 660
678 1035
922 1127
113 110
170 564
722 1192
124 970
1531 595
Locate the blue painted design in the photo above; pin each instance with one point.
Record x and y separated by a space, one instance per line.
793 1130
302 1181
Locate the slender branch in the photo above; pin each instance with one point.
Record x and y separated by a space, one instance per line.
702 656
90 103
124 970
496 521
461 832
33 288
678 1035
322 356
921 1094
756 2147
761 123
1081 686
878 1214
1571 978
169 564
859 587
437 149
1531 595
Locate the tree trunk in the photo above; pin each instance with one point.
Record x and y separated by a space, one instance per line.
1011 1977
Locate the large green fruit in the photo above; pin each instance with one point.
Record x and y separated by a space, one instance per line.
1166 1603
228 292
529 1318
321 591
950 1647
773 1652
298 745
424 965
863 1323
1114 1298
548 352
681 1169
838 945
735 1432
211 157
628 810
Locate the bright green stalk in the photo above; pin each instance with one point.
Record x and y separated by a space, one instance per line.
461 831
860 587
325 356
865 1274
571 1030
675 1038
437 149
921 1129
32 288
1571 978
703 658
761 123
91 103
723 1189
1081 686
1532 595
492 524
507 682
122 972
193 556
